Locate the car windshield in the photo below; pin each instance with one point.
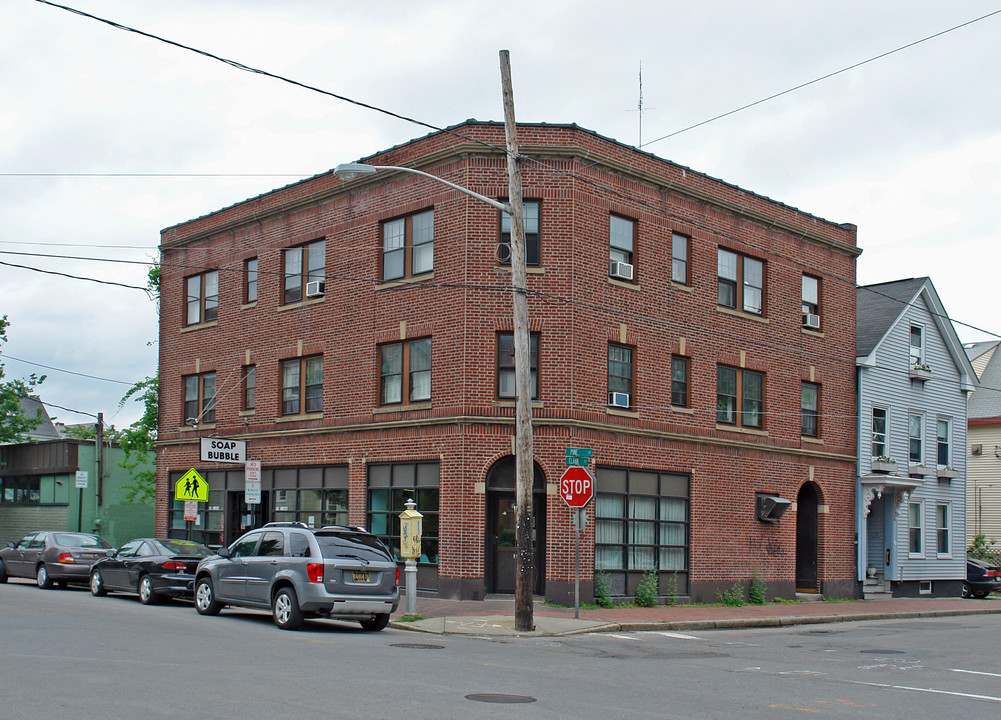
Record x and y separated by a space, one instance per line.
183 547
334 544
80 540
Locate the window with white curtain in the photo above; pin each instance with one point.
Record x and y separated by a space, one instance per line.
641 524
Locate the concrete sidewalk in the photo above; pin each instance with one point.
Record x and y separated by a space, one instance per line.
495 617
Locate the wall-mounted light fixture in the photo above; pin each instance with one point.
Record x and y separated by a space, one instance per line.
769 507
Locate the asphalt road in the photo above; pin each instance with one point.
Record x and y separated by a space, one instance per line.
66 654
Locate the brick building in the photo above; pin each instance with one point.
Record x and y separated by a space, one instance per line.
697 337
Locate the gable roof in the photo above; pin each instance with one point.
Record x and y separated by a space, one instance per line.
986 401
879 307
30 407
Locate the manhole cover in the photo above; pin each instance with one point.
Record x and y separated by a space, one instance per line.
882 652
500 698
418 646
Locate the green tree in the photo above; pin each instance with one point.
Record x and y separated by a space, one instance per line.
14 424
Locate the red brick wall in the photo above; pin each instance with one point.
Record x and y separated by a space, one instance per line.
580 178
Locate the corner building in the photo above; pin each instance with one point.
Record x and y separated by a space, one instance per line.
699 339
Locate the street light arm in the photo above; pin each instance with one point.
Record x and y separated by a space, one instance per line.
349 171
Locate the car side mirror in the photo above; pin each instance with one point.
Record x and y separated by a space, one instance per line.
12 545
111 553
224 552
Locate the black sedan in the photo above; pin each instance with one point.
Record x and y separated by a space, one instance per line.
153 568
981 579
52 557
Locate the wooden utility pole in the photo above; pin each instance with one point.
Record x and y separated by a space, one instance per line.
524 465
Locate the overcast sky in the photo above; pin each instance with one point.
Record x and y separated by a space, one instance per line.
907 147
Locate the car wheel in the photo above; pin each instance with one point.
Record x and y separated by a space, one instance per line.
42 578
285 609
981 594
376 623
966 590
205 602
97 588
147 594
3 573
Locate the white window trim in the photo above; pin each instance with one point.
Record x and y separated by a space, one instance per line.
921 454
948 439
948 526
921 526
886 428
921 350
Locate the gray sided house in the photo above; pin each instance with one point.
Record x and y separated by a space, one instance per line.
914 379
983 482
39 488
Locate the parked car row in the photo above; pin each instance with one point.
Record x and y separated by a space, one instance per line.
288 568
981 579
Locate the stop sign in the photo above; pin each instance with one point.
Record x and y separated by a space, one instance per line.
577 486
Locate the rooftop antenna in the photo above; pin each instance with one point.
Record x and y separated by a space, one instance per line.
639 107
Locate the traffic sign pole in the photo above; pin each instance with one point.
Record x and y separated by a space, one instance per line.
576 568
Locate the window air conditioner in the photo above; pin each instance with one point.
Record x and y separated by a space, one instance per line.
620 270
314 288
811 320
617 399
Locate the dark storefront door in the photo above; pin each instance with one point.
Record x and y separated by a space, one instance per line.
806 540
241 518
502 552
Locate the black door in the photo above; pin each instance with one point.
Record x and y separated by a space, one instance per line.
502 551
806 539
242 517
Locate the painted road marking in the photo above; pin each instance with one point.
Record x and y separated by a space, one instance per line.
976 672
623 637
678 635
989 698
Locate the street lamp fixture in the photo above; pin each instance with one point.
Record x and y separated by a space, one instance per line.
350 171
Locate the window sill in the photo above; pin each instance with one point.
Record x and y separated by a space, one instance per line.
743 430
812 333
199 326
412 407
301 303
248 306
532 270
741 314
513 403
811 440
622 413
947 474
682 286
624 284
189 428
390 284
682 410
301 416
247 413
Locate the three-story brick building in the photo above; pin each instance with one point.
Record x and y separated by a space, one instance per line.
697 337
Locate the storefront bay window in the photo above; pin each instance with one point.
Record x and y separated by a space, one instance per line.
641 524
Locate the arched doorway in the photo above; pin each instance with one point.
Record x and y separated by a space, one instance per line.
807 532
500 552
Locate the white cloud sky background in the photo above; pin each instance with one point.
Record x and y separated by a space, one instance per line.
906 147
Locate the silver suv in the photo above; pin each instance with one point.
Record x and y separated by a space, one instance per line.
295 571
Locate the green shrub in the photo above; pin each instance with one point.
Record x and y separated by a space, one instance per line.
602 589
671 590
756 593
982 548
734 597
646 591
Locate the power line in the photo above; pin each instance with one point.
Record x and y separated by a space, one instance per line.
68 372
820 79
74 277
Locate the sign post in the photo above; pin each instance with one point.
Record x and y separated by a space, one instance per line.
410 548
81 484
191 487
577 489
252 482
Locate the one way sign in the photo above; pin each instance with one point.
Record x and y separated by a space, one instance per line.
192 486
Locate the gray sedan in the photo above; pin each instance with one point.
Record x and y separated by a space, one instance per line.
53 556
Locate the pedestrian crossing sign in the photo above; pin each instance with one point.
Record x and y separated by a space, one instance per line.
191 486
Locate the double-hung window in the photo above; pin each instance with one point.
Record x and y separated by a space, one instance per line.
408 246
809 405
879 432
249 389
942 523
915 544
679 259
917 346
506 382
303 264
915 438
530 210
621 240
943 442
405 371
741 282
199 399
811 302
202 303
679 381
302 385
250 280
740 397
620 376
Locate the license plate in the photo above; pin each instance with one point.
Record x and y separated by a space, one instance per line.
359 576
